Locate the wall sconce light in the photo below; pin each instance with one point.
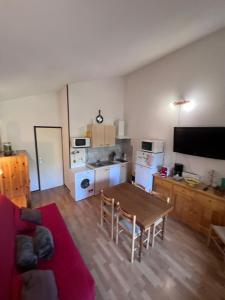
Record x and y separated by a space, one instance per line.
1 172
181 102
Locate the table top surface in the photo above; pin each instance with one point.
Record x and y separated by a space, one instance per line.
133 200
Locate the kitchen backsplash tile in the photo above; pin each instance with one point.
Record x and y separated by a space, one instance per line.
94 154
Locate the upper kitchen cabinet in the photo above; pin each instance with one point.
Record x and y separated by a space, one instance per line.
97 134
102 135
109 135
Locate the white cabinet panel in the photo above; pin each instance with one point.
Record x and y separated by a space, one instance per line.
123 173
114 175
101 179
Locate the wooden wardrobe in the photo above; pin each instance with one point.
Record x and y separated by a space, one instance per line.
14 180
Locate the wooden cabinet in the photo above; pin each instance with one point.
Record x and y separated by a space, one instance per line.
97 134
14 181
109 135
186 208
193 206
102 135
163 187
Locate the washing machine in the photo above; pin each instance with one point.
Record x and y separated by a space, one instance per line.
81 183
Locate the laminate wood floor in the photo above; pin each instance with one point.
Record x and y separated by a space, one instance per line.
180 267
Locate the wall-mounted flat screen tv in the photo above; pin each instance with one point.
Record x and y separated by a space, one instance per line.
200 141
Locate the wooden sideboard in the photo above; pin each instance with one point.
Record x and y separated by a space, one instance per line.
14 181
193 206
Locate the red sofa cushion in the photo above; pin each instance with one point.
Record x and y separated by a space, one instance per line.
7 246
73 279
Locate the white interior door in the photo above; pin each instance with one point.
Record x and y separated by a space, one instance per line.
49 150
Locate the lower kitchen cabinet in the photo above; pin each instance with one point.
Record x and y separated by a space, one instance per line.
110 176
123 172
114 175
101 179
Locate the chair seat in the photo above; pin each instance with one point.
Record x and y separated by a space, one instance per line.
220 231
158 221
126 224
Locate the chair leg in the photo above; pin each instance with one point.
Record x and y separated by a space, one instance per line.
153 235
163 228
132 250
112 225
117 229
101 214
209 236
148 238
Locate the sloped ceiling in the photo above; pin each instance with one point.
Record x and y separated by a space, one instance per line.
45 44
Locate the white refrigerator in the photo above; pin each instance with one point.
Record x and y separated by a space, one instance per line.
147 164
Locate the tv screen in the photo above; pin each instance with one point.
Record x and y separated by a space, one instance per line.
200 141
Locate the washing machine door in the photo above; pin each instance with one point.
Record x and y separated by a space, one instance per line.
85 183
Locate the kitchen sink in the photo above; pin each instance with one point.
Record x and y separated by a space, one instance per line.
102 164
121 160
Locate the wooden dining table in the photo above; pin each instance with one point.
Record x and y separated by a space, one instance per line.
147 208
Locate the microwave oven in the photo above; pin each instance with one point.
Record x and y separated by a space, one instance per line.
154 146
80 142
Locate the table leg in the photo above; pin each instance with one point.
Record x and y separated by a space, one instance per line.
141 245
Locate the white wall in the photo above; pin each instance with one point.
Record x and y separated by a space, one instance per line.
18 117
62 94
85 98
195 72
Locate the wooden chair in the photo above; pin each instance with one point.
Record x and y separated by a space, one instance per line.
139 186
149 229
107 212
217 235
127 223
158 228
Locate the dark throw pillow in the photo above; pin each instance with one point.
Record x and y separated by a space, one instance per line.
31 215
22 226
39 285
26 259
43 242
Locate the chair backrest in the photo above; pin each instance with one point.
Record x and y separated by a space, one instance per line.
160 196
138 185
106 200
121 213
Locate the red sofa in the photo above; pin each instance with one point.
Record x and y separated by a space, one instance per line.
73 279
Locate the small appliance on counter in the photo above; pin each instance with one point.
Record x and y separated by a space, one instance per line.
178 169
154 146
80 142
112 156
7 149
164 172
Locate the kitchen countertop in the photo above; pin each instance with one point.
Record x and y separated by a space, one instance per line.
81 169
103 164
